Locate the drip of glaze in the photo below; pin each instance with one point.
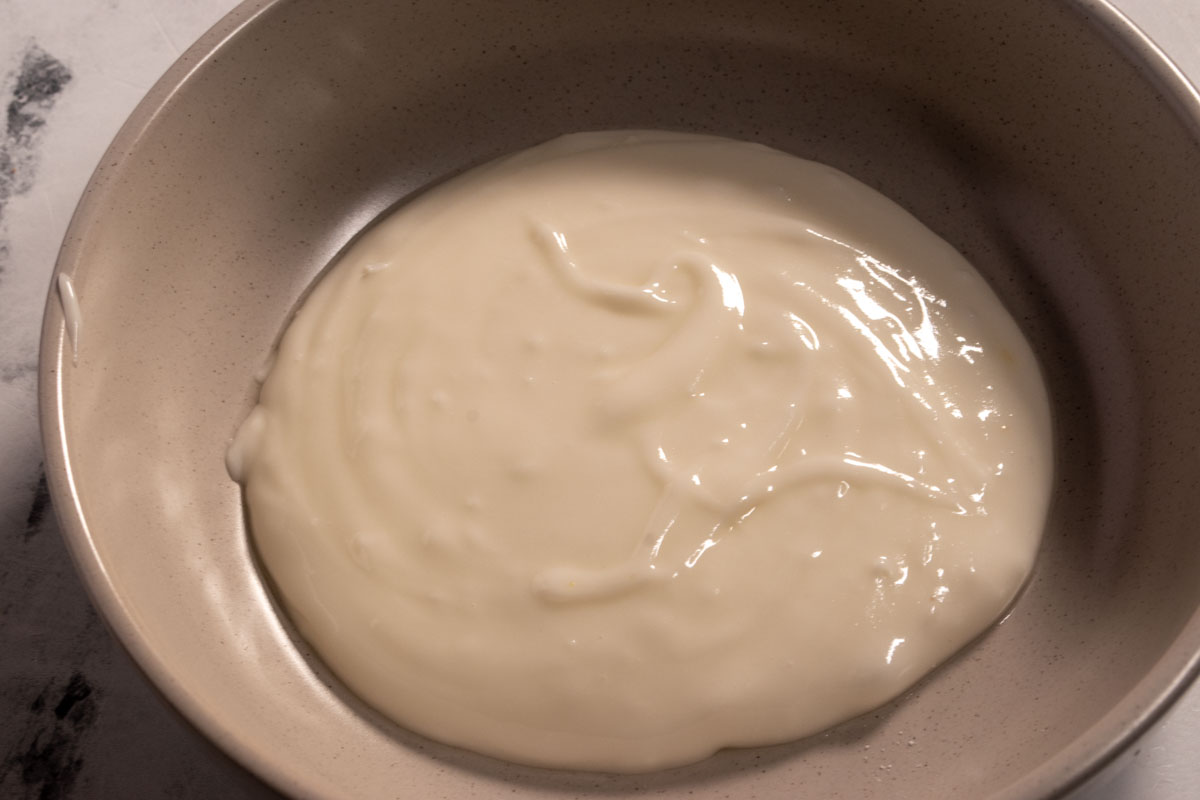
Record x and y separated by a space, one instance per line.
72 317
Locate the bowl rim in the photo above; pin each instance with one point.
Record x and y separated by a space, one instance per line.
1165 683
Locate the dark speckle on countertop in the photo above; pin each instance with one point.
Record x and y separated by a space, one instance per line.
32 92
37 508
45 760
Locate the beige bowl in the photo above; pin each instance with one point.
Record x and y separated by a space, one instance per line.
1049 142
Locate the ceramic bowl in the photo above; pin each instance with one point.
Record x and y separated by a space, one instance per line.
1048 141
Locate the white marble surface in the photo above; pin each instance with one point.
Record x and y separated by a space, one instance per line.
76 719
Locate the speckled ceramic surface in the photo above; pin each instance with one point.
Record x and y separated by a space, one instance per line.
1045 140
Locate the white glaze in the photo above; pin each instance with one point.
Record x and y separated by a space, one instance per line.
633 446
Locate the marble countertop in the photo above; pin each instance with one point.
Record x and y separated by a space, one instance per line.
77 719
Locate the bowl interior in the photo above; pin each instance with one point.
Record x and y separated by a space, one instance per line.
1024 133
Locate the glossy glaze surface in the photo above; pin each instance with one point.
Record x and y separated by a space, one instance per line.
636 445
